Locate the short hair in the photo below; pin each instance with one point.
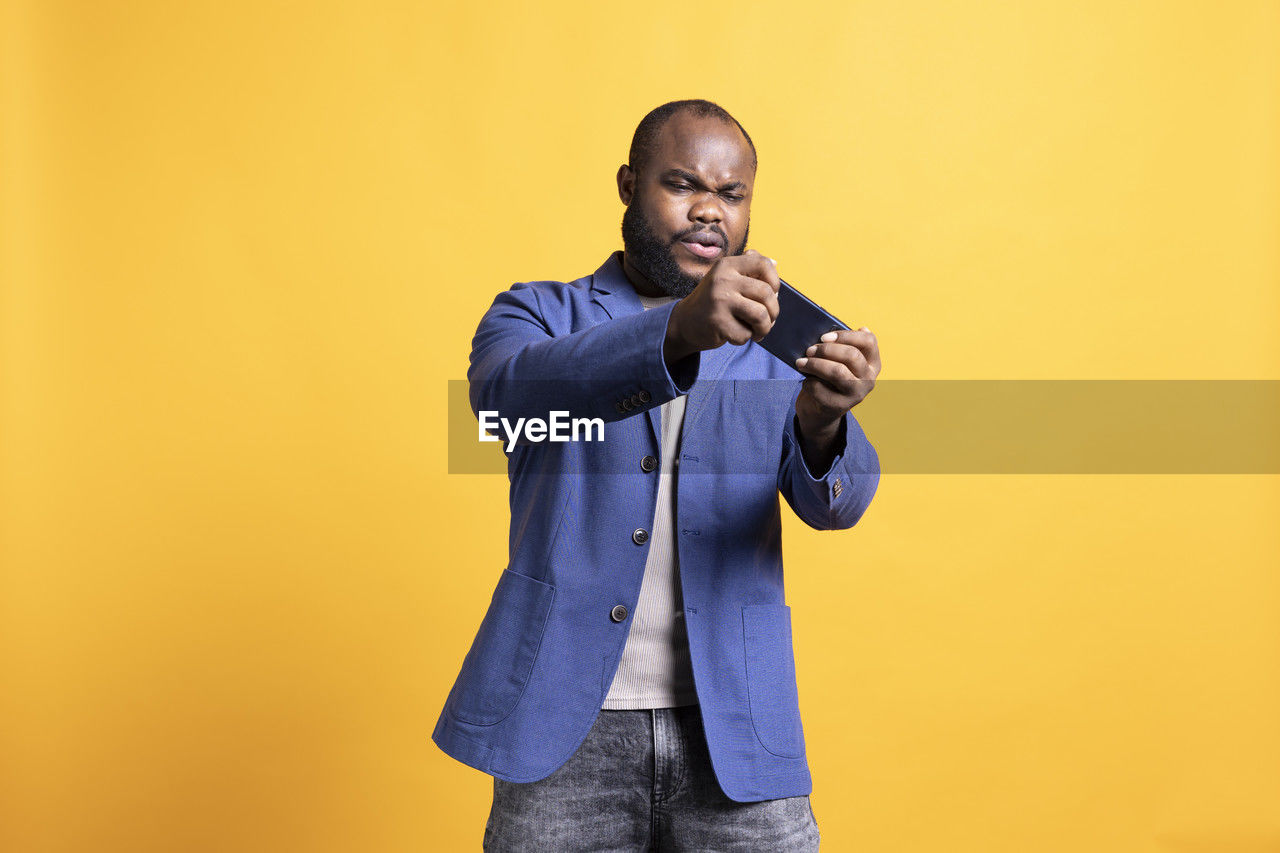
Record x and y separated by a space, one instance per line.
646 135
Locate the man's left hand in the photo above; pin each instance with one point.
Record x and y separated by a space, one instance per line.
841 369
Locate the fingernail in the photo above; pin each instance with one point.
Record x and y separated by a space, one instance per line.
829 336
811 350
801 362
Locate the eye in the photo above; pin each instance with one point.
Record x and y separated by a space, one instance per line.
678 186
733 197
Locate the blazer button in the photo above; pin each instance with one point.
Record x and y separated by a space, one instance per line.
635 400
618 613
648 463
644 396
618 406
627 405
640 536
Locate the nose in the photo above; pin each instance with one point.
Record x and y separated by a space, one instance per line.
706 209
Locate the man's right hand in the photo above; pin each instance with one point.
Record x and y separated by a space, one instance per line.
736 302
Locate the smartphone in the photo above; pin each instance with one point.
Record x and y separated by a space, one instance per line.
800 324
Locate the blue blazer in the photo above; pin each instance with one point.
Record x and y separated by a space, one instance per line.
546 651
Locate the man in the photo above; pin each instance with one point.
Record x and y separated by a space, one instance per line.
632 685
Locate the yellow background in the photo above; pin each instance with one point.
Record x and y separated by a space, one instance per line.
246 244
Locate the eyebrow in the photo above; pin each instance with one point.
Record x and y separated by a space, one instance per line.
697 182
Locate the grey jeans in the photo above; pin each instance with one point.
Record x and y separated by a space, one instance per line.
642 781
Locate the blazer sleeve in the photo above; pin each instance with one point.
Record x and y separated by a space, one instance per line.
838 497
520 369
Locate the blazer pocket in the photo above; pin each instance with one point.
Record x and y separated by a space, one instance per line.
771 678
497 667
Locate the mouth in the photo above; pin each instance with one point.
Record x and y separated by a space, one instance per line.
703 244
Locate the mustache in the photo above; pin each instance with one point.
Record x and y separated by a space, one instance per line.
714 229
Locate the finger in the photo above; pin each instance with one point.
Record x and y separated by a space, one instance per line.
761 292
873 357
753 315
834 373
848 355
864 339
826 396
756 265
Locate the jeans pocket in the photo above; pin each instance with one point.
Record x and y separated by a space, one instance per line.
771 678
497 667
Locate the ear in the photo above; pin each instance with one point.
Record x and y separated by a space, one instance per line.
626 183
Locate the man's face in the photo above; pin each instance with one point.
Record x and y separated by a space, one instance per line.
689 205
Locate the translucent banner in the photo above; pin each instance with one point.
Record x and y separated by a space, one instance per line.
973 427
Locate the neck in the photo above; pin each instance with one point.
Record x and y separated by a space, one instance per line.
638 280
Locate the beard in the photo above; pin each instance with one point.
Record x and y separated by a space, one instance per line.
655 259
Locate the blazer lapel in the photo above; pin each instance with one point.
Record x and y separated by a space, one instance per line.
615 295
